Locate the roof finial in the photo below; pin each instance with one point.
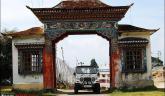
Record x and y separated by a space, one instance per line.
28 7
131 4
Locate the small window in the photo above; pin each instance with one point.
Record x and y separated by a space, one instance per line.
133 59
30 61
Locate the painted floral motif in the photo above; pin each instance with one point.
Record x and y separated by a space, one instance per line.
72 25
106 29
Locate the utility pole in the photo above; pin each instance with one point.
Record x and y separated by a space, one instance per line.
62 54
76 62
159 55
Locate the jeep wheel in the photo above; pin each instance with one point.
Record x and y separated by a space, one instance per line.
96 89
75 90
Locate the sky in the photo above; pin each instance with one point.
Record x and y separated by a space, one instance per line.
144 13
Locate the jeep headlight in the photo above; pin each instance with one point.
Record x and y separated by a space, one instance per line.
81 79
93 79
85 82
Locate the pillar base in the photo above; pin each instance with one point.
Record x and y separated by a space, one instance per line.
50 90
110 90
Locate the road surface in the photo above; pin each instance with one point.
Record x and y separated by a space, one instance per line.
63 92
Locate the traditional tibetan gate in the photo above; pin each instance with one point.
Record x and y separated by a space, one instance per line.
57 30
79 17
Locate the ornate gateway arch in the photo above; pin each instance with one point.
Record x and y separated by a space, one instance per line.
79 17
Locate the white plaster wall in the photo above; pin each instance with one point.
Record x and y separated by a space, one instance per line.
139 76
20 79
107 83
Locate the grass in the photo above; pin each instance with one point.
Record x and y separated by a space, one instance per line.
6 88
142 93
146 91
7 91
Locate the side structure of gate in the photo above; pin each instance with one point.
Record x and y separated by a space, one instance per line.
79 17
56 30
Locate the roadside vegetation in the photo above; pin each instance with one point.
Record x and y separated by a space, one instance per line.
5 58
141 93
147 91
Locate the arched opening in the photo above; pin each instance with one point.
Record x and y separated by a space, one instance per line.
53 36
50 59
77 50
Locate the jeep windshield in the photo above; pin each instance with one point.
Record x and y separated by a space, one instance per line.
86 70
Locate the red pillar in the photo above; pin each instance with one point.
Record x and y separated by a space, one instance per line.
48 66
112 78
54 65
111 65
114 58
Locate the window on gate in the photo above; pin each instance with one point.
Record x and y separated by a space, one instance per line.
133 59
30 61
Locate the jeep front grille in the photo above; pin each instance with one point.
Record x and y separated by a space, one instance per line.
87 81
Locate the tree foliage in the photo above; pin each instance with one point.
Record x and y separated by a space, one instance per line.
94 63
156 62
5 58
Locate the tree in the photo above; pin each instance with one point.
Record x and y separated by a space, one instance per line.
5 58
94 63
156 62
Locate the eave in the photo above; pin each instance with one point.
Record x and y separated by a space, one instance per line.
122 28
132 42
125 28
100 13
35 31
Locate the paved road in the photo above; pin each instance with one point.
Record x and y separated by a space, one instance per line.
81 93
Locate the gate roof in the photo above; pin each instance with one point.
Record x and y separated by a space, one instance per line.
81 10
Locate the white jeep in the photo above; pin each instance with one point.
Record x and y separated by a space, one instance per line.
87 78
